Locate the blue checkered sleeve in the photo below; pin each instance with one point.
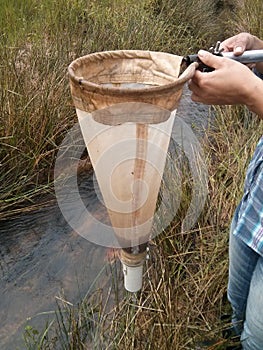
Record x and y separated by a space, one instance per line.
249 226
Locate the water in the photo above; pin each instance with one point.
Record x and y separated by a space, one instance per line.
42 257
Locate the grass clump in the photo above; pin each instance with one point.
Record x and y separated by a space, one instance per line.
38 42
185 282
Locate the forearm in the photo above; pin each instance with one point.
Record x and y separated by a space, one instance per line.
254 99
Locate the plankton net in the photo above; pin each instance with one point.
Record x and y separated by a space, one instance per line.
126 103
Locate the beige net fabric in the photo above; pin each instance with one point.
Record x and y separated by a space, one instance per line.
126 103
103 79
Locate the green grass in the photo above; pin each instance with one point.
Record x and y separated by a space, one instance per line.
38 42
185 283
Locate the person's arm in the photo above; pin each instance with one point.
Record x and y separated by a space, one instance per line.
231 82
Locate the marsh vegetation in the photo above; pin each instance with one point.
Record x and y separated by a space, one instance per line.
185 283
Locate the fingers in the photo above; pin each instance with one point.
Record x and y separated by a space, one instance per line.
209 59
197 97
194 86
237 46
195 81
238 43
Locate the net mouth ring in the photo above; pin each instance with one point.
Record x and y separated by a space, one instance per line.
114 90
100 79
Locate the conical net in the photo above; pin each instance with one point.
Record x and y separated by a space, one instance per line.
126 104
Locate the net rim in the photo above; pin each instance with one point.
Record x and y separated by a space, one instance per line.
84 84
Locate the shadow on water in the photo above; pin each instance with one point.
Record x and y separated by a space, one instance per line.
42 257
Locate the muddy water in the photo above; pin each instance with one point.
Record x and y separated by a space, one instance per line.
41 257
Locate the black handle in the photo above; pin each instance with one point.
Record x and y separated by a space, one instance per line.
250 56
194 58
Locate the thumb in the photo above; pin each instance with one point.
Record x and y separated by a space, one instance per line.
209 59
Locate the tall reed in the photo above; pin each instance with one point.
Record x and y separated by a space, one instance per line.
185 283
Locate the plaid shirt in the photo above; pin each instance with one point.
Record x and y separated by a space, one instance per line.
249 213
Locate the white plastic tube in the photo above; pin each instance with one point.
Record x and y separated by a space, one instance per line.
132 277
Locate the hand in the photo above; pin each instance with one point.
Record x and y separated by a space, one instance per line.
242 42
227 84
230 82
